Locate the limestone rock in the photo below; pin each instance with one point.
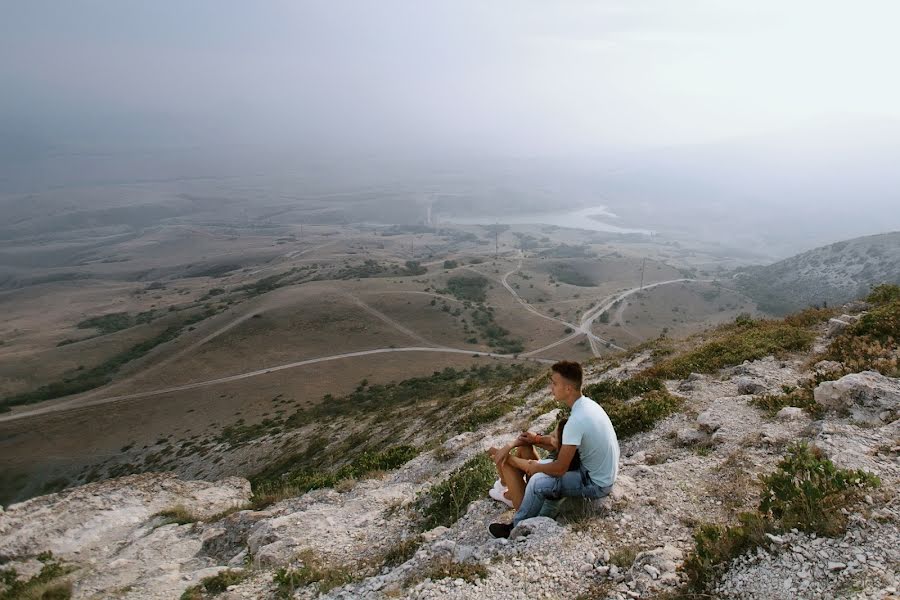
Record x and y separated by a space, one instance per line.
689 436
789 413
748 385
539 527
836 326
708 422
869 396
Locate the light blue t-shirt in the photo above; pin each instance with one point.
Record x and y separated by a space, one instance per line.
590 429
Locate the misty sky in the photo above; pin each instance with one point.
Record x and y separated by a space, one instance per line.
516 78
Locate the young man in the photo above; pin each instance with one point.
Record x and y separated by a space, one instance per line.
589 431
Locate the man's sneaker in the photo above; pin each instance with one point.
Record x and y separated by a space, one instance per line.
500 530
499 496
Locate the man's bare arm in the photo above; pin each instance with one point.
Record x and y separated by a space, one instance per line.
557 468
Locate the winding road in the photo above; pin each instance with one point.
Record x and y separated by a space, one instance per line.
583 328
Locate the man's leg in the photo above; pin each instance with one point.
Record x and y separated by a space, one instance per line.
539 487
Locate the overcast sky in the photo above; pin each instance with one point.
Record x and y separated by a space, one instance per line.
518 78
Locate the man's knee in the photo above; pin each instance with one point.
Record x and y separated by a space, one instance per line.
542 484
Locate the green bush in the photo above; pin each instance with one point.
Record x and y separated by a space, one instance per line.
401 552
884 294
214 585
284 479
472 287
801 397
622 389
46 585
732 345
448 500
808 491
107 323
311 571
717 545
630 418
633 416
871 343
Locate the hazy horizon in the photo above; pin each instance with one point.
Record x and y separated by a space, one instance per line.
698 116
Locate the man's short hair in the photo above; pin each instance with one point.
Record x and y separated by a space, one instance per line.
569 370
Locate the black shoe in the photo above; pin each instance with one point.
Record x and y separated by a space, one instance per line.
500 530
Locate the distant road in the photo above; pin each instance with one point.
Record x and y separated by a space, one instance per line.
230 378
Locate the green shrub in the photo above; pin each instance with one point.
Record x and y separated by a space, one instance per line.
630 418
622 389
311 571
448 500
46 585
177 514
214 585
471 287
401 552
107 323
808 491
871 342
718 545
884 294
284 479
444 568
801 398
732 345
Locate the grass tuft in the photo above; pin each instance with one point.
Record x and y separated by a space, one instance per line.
448 500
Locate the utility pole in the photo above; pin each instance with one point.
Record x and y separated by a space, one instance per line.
496 240
643 263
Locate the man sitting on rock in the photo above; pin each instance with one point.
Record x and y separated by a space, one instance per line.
589 431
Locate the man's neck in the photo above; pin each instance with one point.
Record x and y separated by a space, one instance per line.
571 399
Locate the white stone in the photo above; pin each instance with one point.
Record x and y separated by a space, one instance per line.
789 413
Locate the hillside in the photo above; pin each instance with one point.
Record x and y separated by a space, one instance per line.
759 460
832 274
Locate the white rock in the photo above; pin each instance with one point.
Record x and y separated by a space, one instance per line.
789 413
865 395
708 422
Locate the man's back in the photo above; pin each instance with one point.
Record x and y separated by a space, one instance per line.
590 429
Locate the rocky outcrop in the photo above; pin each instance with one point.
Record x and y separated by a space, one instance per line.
695 465
869 397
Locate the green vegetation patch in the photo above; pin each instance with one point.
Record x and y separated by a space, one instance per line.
498 338
448 500
311 571
214 585
633 405
48 584
446 384
285 479
177 514
88 379
806 491
732 344
567 251
872 342
471 287
568 274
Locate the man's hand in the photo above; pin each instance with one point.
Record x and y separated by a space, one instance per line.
530 467
528 437
498 455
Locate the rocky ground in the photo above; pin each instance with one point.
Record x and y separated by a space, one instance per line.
698 465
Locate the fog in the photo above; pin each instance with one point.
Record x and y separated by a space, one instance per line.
782 117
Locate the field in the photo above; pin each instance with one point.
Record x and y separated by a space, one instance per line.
118 343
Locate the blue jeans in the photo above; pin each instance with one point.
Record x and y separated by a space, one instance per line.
543 493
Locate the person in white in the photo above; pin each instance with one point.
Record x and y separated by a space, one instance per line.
588 431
